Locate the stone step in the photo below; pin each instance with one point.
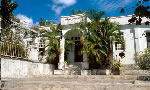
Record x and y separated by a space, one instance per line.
74 84
96 77
73 69
58 72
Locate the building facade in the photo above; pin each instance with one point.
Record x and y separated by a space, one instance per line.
135 36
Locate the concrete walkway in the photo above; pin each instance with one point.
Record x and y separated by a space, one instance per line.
60 82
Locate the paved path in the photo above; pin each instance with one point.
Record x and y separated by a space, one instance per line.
77 83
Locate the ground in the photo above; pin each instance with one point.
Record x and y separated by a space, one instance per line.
77 82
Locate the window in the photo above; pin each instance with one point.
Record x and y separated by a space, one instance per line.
42 44
118 46
75 38
148 39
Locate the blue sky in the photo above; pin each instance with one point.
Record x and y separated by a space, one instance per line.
32 10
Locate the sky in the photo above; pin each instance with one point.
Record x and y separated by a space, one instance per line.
31 10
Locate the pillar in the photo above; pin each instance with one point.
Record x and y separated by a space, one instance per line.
85 63
61 64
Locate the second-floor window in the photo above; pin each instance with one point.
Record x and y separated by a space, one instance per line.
42 44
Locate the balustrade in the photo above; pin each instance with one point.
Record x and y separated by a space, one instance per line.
9 49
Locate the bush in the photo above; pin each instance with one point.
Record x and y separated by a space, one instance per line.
117 65
143 59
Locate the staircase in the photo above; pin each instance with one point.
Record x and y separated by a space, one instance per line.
77 82
70 69
73 69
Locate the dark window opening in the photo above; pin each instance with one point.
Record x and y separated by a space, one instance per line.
119 46
42 51
78 55
148 39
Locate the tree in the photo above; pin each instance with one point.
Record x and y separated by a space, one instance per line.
7 8
76 12
94 15
97 39
53 48
141 10
54 45
44 23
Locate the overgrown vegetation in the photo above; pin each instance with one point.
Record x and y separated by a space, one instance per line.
45 23
7 17
97 39
54 45
53 35
9 23
116 67
143 59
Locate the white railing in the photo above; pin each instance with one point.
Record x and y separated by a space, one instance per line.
13 50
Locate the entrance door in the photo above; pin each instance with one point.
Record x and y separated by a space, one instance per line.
78 55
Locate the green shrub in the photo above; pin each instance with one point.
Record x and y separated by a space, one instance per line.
142 59
117 65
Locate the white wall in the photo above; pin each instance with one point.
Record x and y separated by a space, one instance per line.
135 40
128 34
13 68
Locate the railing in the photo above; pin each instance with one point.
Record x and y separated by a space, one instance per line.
13 50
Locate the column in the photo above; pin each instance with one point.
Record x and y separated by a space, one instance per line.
62 54
85 63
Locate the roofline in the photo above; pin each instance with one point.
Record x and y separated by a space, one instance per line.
114 17
72 15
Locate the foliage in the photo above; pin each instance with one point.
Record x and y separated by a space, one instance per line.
97 39
54 43
94 15
76 12
44 23
68 43
117 65
140 11
143 59
7 8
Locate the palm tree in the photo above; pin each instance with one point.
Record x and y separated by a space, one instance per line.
53 50
97 38
76 12
94 15
7 8
44 23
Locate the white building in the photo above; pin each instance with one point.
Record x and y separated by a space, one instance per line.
134 36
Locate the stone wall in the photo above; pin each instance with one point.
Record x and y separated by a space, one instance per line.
135 72
14 68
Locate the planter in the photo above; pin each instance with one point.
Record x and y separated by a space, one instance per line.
116 71
101 72
85 72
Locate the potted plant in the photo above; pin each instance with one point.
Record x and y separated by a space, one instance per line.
116 67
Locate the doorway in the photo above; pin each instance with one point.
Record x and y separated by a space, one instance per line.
78 55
